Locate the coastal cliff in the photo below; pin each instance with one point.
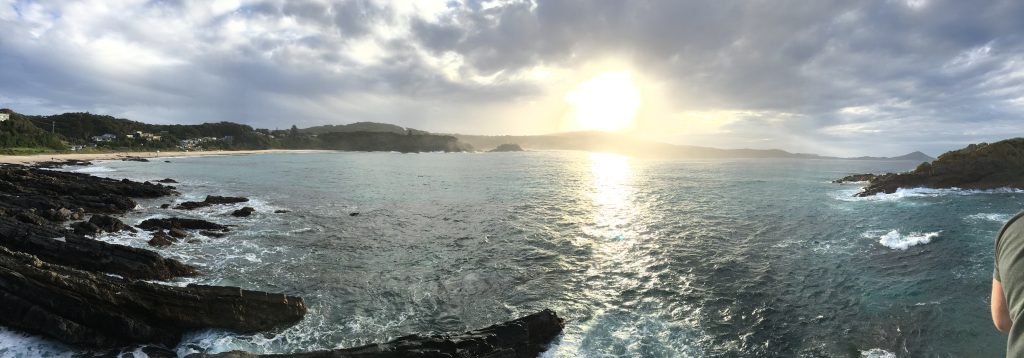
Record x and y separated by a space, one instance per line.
977 166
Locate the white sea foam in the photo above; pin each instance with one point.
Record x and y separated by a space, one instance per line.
903 193
15 344
897 241
877 353
990 217
95 169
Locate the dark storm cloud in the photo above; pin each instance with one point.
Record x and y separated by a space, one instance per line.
850 76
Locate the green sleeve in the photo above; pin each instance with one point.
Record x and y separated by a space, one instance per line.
995 273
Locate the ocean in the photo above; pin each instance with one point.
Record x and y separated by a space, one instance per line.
643 258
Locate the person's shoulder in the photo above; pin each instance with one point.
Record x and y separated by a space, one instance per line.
1014 225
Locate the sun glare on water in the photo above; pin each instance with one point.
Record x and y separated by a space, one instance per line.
606 102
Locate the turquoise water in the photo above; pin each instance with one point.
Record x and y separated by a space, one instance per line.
731 258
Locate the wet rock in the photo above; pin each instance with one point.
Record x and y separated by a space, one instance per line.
855 178
97 310
243 212
60 214
167 181
85 228
110 224
210 200
212 233
520 338
177 233
161 239
87 254
165 206
281 211
193 241
353 214
24 188
179 223
134 159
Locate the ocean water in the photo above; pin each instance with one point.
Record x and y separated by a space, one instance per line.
643 258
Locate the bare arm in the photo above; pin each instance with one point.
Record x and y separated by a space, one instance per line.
1000 313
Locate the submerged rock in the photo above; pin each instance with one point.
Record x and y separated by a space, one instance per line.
96 310
520 338
161 239
210 200
167 181
212 233
243 212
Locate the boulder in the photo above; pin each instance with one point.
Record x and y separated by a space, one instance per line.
97 310
110 224
243 212
177 233
179 223
210 200
161 239
85 228
520 338
167 181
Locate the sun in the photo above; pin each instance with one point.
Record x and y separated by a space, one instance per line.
606 102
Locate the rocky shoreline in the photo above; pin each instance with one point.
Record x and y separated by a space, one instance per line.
59 282
981 166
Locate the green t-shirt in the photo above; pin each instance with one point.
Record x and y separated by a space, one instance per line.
1009 271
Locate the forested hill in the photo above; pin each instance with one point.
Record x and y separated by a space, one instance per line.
75 130
19 132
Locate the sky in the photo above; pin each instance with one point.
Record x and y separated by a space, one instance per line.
829 77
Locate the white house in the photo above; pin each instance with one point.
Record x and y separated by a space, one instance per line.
104 138
4 117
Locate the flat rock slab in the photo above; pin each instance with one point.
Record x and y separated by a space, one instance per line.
97 310
520 338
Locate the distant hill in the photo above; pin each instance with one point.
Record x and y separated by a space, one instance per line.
360 127
977 166
915 156
19 132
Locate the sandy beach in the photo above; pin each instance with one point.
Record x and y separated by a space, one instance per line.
36 158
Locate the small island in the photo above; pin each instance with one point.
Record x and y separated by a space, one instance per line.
508 147
978 166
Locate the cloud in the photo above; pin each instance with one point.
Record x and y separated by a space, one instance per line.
830 76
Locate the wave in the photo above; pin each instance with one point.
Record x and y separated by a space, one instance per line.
16 344
990 217
877 353
902 193
897 241
95 169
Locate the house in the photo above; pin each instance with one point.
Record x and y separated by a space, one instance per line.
104 138
4 117
76 147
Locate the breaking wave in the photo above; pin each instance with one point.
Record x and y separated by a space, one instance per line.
897 241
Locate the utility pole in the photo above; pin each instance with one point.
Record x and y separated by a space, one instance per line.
53 127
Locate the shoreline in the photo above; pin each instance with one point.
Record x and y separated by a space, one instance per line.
39 158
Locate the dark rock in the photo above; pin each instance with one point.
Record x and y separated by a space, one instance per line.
210 200
167 181
161 239
87 254
109 224
167 161
212 233
97 310
243 212
510 147
159 352
134 159
30 217
193 241
179 223
353 214
85 228
165 206
60 214
281 211
25 188
177 233
524 337
855 178
977 166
